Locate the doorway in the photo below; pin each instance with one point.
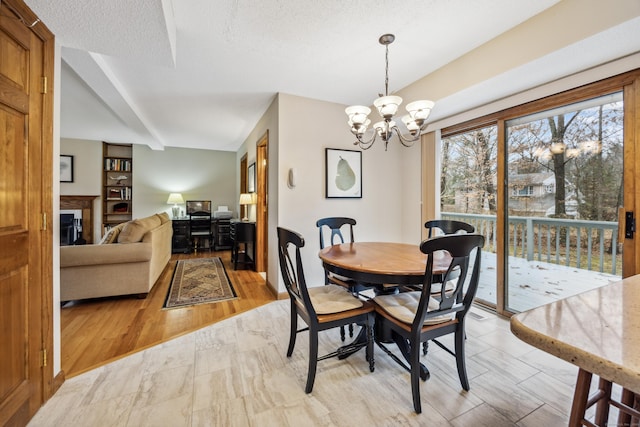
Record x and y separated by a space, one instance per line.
262 206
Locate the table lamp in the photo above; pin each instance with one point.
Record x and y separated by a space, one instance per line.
175 199
247 199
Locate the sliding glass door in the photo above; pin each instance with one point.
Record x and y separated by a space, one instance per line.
563 192
468 193
550 184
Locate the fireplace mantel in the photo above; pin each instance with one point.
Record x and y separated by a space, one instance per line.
85 203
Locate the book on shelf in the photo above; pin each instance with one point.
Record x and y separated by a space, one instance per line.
123 193
111 164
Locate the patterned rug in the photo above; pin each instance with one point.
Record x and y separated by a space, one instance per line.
199 281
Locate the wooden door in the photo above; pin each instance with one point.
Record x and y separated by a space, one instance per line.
262 206
26 61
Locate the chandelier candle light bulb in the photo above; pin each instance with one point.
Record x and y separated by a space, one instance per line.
387 107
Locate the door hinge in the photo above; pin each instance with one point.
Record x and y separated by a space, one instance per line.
44 221
44 357
44 84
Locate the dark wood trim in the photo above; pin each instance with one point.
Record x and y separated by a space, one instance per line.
58 380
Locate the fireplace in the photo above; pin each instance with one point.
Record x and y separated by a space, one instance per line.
82 209
71 227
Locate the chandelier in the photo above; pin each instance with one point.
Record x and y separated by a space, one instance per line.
387 107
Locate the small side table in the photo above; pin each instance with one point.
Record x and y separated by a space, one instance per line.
243 238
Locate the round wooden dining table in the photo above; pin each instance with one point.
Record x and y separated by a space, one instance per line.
383 264
380 262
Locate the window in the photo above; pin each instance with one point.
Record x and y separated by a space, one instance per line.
527 190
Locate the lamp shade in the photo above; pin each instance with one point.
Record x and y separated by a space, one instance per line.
246 199
175 199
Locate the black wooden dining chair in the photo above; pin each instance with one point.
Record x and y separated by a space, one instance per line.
417 316
447 226
436 227
321 307
332 228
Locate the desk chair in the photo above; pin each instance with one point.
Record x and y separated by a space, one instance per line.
200 230
321 308
415 317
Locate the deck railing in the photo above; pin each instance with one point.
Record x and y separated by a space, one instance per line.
590 245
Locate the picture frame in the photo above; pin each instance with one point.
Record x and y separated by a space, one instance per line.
251 178
343 174
66 168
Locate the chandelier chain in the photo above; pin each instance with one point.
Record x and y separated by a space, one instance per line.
386 71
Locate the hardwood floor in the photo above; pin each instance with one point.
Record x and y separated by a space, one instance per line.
98 331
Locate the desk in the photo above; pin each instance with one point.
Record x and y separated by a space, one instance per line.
243 238
596 331
181 242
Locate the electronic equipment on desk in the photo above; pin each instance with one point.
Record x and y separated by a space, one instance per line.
223 212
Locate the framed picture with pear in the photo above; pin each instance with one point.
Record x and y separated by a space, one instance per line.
343 174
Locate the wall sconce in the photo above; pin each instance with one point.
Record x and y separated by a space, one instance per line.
247 199
291 178
175 199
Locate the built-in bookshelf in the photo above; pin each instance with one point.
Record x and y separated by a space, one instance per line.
117 183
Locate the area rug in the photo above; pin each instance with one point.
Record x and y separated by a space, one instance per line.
199 281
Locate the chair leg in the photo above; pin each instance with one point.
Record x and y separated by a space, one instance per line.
313 360
294 330
370 356
460 338
415 376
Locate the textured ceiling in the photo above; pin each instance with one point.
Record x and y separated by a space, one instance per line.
200 73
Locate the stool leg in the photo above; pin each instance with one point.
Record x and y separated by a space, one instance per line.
602 407
627 398
580 397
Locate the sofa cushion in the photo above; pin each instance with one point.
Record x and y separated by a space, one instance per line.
135 230
112 235
164 217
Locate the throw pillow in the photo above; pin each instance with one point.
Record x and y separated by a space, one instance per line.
132 232
164 217
112 235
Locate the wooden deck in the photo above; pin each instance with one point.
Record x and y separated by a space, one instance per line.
535 283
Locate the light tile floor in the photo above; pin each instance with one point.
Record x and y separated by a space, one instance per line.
236 373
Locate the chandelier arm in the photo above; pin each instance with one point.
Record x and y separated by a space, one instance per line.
364 144
407 142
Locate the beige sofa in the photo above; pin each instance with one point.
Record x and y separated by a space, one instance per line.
128 260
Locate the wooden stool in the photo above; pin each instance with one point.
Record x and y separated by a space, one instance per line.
628 405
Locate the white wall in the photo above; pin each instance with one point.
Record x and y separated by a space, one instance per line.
307 128
196 174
